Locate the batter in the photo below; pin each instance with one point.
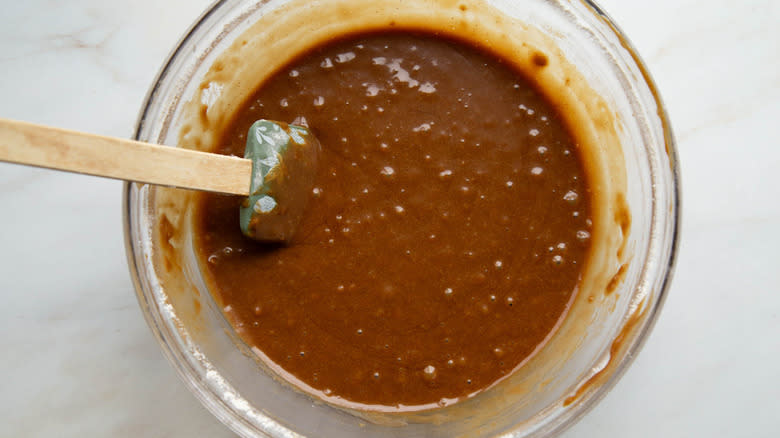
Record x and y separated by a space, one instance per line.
446 232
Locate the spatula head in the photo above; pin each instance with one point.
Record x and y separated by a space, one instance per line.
284 167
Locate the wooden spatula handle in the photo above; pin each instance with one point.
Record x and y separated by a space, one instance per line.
42 146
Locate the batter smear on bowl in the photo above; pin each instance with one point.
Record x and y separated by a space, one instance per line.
446 233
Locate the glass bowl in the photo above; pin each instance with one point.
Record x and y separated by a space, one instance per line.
590 351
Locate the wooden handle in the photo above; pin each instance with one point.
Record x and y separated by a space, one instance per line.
42 146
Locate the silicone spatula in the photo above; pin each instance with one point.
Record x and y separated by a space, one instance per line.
275 176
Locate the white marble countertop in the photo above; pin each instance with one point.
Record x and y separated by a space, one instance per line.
79 360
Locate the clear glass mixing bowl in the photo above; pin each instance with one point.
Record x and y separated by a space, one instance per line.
203 349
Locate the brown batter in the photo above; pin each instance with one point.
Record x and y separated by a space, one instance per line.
446 232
